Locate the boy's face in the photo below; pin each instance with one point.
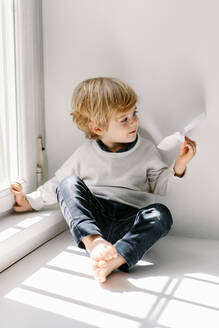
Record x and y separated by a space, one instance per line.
122 129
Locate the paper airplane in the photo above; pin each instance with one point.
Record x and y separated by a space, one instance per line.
178 137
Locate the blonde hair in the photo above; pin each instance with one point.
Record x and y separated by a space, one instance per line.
97 100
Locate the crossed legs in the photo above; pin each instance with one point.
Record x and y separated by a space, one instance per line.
79 208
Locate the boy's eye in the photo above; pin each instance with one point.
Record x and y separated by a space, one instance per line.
125 119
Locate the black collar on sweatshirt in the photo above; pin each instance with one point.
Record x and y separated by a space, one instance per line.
129 145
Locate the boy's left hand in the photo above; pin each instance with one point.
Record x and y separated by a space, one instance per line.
186 152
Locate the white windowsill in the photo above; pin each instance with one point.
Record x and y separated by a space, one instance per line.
21 233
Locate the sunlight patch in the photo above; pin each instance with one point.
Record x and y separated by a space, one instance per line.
144 263
72 262
91 292
70 310
29 222
197 291
75 248
155 284
203 276
181 315
7 233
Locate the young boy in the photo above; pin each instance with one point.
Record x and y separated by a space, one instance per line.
105 188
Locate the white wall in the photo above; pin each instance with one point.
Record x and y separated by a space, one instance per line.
168 52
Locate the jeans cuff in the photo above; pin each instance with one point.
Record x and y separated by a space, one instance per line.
82 230
128 252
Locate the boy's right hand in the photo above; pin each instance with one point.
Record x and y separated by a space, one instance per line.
22 204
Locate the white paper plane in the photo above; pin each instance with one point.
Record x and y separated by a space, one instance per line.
178 137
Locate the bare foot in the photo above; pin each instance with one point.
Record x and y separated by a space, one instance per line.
104 256
103 268
102 250
99 248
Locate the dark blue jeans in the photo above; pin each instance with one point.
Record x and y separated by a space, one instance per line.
132 231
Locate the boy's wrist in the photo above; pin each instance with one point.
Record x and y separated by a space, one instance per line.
179 169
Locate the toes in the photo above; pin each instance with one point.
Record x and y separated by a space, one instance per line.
99 264
100 274
100 270
102 264
94 265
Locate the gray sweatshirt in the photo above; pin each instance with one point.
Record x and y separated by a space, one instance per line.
130 177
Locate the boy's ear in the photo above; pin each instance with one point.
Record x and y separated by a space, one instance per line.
94 128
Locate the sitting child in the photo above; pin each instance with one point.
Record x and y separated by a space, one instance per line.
105 188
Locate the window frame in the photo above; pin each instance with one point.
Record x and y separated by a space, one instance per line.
29 94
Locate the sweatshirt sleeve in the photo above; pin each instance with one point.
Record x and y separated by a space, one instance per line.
46 193
160 177
43 195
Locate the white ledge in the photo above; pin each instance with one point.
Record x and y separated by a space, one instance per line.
21 233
